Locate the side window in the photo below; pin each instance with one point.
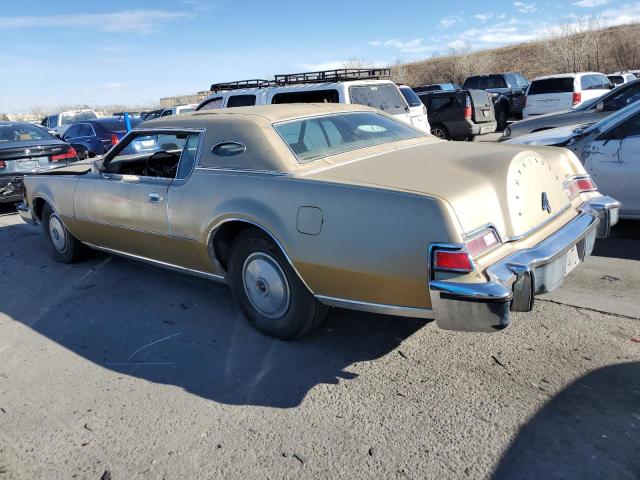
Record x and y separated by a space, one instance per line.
586 82
522 82
240 101
310 96
166 113
86 130
603 82
441 103
631 127
53 121
72 132
188 157
622 99
211 104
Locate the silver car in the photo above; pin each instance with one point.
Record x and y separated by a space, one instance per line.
609 150
589 112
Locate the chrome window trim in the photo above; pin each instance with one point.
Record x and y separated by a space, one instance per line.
244 170
169 266
384 309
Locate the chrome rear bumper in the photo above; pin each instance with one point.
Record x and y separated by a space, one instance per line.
515 280
25 213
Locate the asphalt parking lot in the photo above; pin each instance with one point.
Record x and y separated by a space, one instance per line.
113 366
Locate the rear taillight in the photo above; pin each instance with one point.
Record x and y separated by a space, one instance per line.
580 184
459 257
114 139
3 164
70 153
452 261
467 109
577 98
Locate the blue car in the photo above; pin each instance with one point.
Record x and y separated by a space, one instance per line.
96 137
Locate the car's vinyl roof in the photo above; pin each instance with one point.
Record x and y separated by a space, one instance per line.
273 113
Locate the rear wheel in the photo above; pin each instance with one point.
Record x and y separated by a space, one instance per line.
268 291
440 131
66 247
502 114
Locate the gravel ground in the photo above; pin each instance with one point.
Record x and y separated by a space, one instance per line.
113 366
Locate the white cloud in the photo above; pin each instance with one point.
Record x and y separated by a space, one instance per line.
414 45
483 17
590 3
447 22
334 64
629 13
525 7
132 21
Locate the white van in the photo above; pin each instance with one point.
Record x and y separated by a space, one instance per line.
369 87
60 121
555 93
179 110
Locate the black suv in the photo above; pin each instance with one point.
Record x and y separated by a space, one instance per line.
459 115
508 90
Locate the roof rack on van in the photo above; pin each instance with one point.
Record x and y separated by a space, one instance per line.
253 83
340 74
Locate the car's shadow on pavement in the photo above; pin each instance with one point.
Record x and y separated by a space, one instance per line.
175 329
623 243
591 429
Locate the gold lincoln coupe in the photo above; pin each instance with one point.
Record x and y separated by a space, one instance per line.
304 207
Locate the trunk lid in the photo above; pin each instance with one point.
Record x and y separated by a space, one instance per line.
550 95
485 184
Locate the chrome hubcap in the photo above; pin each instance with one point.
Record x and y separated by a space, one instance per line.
56 232
266 285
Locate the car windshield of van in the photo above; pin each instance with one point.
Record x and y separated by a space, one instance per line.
385 97
323 136
69 118
551 85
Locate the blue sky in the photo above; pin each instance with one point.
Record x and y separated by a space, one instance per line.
69 52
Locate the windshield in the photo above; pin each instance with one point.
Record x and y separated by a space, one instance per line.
385 97
69 118
318 137
613 119
22 132
410 96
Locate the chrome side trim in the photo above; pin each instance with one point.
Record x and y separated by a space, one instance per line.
277 242
135 229
158 263
515 238
395 310
243 170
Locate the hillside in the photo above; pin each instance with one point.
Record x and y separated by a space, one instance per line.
572 49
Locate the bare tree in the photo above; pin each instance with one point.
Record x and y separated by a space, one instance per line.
625 48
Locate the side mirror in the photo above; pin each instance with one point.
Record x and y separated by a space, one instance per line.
600 107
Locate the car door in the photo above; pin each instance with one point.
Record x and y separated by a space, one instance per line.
126 212
613 160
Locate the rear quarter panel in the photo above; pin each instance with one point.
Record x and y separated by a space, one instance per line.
373 242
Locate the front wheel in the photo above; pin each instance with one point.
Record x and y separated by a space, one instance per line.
268 291
66 247
501 117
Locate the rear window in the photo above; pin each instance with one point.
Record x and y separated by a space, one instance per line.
241 101
485 82
318 137
410 96
22 132
69 118
383 97
309 96
551 85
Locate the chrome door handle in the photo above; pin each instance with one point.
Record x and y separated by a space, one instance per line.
155 197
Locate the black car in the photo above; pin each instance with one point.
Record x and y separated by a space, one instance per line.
96 137
438 87
151 114
459 115
508 91
25 149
